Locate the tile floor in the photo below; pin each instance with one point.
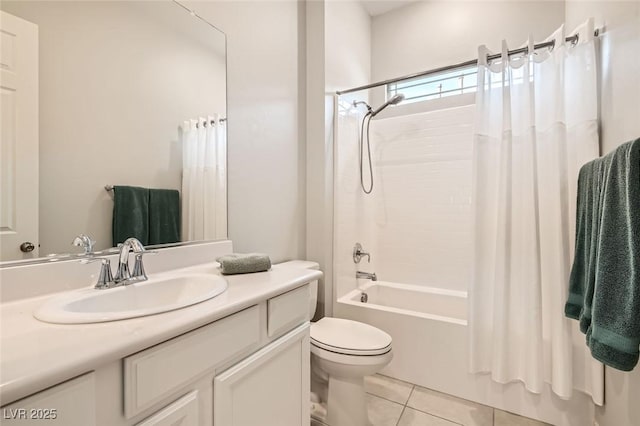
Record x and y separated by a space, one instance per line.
393 402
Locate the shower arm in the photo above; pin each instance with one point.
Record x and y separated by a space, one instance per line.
356 103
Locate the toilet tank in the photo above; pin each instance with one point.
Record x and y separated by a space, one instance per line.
313 285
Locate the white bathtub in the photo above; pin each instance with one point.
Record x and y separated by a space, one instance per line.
429 330
428 327
418 301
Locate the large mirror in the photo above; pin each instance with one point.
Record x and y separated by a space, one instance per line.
113 123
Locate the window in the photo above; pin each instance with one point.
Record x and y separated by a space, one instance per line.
456 82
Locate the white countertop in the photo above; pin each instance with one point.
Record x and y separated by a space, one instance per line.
35 355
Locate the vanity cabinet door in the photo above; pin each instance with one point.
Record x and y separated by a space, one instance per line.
269 388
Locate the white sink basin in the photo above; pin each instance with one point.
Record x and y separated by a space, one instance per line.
150 297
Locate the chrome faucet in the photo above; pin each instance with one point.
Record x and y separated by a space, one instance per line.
85 242
123 276
367 275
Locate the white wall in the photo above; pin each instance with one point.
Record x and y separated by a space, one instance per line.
620 122
421 215
348 45
431 34
416 37
417 221
338 55
116 81
319 199
265 83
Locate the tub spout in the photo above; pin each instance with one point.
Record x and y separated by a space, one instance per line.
367 275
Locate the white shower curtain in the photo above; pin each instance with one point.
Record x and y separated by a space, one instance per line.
204 179
536 124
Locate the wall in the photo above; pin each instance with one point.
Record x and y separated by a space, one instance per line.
266 157
348 45
417 37
421 213
319 198
338 56
419 159
399 46
620 122
116 81
431 34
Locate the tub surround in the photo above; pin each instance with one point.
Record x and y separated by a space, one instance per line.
430 350
35 355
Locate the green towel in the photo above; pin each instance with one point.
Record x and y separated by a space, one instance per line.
605 279
614 335
130 214
164 216
582 279
244 263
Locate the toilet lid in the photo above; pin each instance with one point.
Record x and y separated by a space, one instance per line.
349 337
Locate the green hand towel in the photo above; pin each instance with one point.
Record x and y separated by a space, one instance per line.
130 214
582 264
244 263
588 211
614 334
164 216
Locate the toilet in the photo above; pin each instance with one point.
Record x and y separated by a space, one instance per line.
343 352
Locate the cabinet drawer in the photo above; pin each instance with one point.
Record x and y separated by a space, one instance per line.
153 374
72 403
287 310
183 412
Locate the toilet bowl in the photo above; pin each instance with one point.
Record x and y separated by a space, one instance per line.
343 352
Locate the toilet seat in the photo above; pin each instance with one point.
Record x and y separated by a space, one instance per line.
346 337
353 361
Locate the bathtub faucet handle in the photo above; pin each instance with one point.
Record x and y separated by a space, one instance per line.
359 253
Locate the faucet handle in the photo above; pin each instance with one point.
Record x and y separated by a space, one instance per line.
138 266
359 253
85 242
105 279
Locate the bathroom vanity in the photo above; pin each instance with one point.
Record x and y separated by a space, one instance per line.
240 358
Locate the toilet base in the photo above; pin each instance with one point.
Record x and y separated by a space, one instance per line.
347 405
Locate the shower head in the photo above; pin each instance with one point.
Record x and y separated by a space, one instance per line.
394 100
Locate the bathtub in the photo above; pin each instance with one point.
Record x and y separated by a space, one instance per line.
417 301
428 326
429 330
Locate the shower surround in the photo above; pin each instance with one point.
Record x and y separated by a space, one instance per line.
417 225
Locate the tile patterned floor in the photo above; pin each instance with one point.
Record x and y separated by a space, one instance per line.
393 402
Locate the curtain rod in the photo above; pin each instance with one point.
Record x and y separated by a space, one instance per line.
571 39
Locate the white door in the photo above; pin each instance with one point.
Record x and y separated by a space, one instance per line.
270 388
18 138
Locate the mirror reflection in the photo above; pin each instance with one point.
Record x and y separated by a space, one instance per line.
113 125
